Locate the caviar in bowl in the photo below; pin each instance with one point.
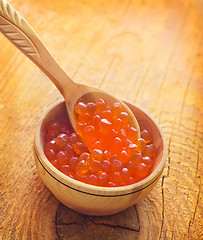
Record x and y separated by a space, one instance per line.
86 198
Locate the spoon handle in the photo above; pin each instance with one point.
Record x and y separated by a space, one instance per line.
19 32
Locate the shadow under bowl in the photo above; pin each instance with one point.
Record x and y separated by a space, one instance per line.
89 199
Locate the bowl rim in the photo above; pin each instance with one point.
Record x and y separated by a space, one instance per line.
91 189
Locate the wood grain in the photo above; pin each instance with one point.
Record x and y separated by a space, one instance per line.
147 52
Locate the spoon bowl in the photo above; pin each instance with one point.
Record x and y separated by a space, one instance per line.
89 199
19 32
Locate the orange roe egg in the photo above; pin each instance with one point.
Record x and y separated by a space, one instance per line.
91 107
150 151
105 125
123 156
73 162
55 163
88 131
82 166
116 165
74 138
115 177
100 105
92 179
117 123
146 136
97 154
102 178
124 117
61 140
125 173
132 134
65 169
80 176
85 118
69 149
80 148
52 145
132 148
95 165
141 144
80 108
96 120
106 166
147 161
106 155
117 146
80 126
50 154
131 167
142 170
54 127
50 136
66 129
136 158
116 108
62 158
85 156
96 145
106 114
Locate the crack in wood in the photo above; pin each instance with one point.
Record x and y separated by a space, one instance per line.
55 223
162 194
116 226
196 205
69 224
169 157
197 164
198 196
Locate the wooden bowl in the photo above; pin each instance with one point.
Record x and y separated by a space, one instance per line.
89 199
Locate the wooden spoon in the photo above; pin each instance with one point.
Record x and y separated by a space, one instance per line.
19 32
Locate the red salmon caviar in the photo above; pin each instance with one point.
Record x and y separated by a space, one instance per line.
100 105
123 156
91 107
103 178
50 154
82 167
62 158
50 136
61 140
54 127
69 149
146 136
80 148
107 152
80 108
116 108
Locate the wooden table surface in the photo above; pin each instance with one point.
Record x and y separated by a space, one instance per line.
146 52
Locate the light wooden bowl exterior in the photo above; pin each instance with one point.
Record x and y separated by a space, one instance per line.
90 199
